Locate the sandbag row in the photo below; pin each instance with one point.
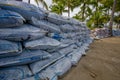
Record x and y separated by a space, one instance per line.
36 44
100 33
116 32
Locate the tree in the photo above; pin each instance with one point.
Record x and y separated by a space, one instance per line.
43 3
69 4
58 8
112 17
40 1
29 1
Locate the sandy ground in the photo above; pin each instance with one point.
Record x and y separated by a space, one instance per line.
102 62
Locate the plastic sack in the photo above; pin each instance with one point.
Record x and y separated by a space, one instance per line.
8 48
25 13
116 32
56 19
21 33
75 56
61 66
43 43
10 19
61 46
45 25
25 58
60 20
41 65
48 74
66 28
67 50
55 36
22 5
15 73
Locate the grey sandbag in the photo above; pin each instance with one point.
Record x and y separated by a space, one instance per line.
43 43
10 19
56 19
21 33
68 49
62 66
45 25
34 77
15 73
75 56
27 14
67 28
8 48
61 46
38 66
22 5
26 57
60 20
48 74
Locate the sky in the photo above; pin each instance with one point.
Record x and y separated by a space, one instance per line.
49 2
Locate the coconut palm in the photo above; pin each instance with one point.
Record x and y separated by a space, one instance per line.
69 4
112 16
40 2
43 3
58 8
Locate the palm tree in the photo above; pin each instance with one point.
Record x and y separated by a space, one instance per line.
40 1
112 17
43 3
69 4
57 8
29 1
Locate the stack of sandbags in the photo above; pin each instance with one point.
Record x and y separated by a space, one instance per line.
116 32
36 44
100 33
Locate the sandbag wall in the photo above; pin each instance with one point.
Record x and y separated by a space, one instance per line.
36 44
100 33
116 32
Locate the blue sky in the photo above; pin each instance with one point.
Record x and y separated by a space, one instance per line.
49 2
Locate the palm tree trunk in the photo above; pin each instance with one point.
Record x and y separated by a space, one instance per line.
112 17
83 17
29 1
18 0
68 5
68 12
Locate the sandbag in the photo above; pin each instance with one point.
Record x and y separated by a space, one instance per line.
26 57
116 32
43 43
22 5
21 33
61 46
48 74
25 13
45 25
8 48
38 66
60 20
10 19
75 56
56 36
61 66
66 28
67 50
15 73
56 19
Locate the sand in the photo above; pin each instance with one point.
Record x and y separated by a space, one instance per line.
102 62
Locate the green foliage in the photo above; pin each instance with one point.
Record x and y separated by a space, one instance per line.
96 13
68 6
